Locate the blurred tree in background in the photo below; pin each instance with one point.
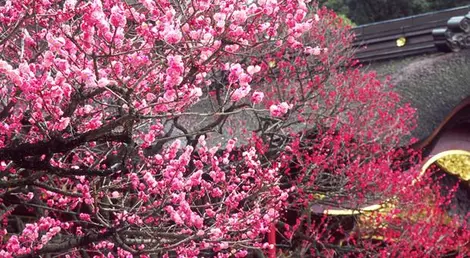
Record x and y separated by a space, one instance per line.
367 11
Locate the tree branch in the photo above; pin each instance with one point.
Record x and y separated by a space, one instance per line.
59 144
70 244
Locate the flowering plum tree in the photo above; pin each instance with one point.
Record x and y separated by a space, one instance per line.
111 113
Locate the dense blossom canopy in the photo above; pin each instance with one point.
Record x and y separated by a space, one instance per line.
113 115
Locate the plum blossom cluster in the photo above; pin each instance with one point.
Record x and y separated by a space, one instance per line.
224 211
33 237
116 120
280 109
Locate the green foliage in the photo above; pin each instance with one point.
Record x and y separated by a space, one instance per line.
346 20
444 4
368 11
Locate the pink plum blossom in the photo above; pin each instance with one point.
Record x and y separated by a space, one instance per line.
239 16
232 48
173 36
63 123
220 19
117 18
257 97
235 71
253 69
244 79
240 93
280 109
